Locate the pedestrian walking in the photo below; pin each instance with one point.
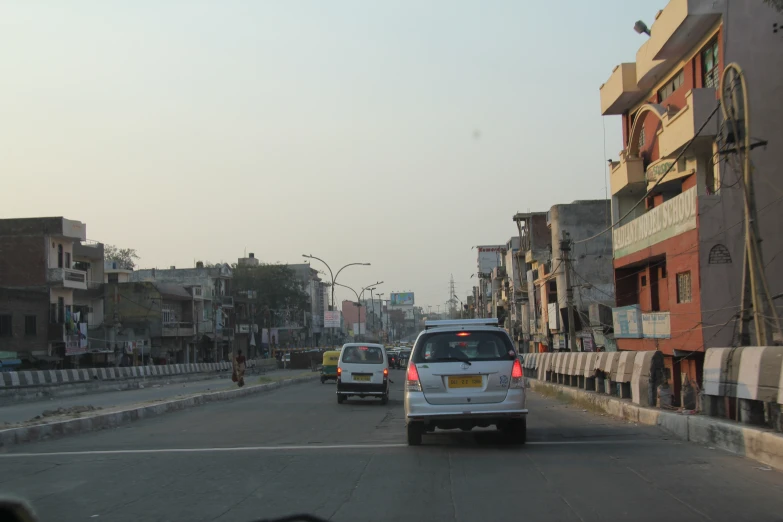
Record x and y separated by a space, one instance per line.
240 365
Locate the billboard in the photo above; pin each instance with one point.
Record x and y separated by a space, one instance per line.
332 319
489 257
401 299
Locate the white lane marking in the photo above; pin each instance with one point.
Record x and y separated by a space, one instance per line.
570 442
289 448
202 450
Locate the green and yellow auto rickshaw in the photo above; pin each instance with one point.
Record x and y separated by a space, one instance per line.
329 366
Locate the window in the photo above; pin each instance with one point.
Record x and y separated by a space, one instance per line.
59 256
673 84
60 310
684 287
30 325
114 278
644 280
168 315
709 65
663 271
463 346
362 355
67 260
53 313
5 325
719 255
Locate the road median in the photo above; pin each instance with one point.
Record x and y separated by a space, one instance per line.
94 420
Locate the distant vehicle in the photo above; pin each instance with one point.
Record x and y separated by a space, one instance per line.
464 374
403 355
363 371
391 356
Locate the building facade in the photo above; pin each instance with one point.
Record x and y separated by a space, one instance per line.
677 190
212 316
48 298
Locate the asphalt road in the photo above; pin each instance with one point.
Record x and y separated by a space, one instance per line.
297 450
153 390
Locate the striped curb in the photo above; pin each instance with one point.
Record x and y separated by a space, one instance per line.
55 377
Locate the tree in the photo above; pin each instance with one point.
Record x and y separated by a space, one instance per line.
277 289
124 257
775 4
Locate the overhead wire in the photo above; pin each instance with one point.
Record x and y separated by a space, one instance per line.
658 181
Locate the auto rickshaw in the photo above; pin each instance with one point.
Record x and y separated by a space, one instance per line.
329 366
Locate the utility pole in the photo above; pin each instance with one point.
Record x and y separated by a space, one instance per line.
756 298
452 297
565 260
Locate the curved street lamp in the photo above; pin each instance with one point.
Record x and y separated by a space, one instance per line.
332 274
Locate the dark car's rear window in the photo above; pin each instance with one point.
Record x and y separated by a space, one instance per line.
362 355
464 345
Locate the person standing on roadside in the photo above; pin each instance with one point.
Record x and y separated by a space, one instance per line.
240 364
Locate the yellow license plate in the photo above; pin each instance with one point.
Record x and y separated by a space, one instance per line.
357 377
465 381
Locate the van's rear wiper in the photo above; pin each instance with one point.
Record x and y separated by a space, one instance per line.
465 360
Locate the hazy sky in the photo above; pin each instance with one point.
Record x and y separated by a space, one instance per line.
398 133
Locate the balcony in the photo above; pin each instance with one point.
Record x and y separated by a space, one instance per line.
67 278
627 175
676 30
680 127
177 329
681 25
620 91
670 219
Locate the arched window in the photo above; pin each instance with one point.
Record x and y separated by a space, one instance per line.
719 255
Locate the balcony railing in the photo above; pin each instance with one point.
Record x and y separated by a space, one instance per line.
620 90
680 127
178 329
627 174
67 278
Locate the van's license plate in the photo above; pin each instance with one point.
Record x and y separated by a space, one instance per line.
465 381
361 377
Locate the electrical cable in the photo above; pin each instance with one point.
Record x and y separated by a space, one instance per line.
658 181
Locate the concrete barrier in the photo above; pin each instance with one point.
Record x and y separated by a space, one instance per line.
641 378
761 445
54 377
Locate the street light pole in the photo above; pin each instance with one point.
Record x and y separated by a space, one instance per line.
332 275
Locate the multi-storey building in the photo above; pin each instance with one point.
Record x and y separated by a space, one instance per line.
46 291
212 320
677 190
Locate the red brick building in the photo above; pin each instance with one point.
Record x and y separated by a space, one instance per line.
678 246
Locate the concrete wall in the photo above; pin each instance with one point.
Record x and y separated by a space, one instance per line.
751 44
23 261
591 260
21 303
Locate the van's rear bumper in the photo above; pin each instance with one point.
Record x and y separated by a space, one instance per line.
361 389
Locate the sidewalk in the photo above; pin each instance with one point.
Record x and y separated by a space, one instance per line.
24 411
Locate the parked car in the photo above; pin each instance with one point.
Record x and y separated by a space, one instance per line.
464 374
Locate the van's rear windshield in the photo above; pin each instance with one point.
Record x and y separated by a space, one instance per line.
362 355
464 345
